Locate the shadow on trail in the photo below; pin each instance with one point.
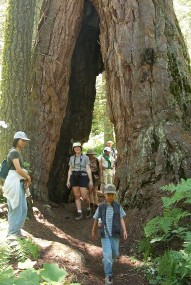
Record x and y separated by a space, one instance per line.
63 229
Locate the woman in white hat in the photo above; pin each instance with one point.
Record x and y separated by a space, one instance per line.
79 178
15 184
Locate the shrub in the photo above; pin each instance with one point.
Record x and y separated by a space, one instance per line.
171 266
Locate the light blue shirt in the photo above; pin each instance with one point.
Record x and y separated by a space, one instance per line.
109 217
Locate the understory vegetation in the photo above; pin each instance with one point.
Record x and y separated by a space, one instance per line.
18 259
166 245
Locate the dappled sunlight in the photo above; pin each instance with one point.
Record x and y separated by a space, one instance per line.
68 243
3 230
89 247
124 259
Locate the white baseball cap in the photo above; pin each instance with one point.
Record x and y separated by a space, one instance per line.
21 135
77 144
107 148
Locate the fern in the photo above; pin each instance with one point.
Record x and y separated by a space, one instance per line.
164 225
27 248
167 267
5 256
181 192
145 247
173 267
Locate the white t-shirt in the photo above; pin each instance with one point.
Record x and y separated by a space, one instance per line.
104 162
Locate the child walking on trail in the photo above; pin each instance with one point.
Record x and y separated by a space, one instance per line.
109 219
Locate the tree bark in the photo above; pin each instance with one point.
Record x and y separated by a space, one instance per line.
16 67
86 63
58 31
149 93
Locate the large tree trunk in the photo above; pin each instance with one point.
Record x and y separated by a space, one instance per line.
149 92
58 31
16 69
86 63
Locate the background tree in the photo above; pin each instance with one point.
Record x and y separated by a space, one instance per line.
147 69
57 34
101 119
16 68
3 4
99 107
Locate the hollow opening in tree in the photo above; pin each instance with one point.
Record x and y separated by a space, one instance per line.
102 127
148 73
85 66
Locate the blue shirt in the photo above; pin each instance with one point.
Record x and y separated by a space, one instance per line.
109 217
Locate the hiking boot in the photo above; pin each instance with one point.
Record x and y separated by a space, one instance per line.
108 280
15 236
20 236
88 213
79 216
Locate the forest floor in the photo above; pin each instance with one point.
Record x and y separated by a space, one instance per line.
68 243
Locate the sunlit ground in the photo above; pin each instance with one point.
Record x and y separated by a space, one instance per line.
3 230
89 247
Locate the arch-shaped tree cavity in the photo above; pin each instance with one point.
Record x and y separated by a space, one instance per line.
148 90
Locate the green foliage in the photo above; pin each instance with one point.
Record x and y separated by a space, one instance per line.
172 266
28 249
49 274
5 253
26 165
101 119
181 192
28 277
25 252
18 250
145 247
99 108
98 148
161 228
3 5
6 276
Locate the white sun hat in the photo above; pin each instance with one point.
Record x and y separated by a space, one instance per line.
76 144
21 135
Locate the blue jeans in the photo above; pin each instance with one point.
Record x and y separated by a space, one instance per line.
17 216
110 246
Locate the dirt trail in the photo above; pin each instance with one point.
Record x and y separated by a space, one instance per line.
68 243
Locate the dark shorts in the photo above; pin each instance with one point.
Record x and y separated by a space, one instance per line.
79 178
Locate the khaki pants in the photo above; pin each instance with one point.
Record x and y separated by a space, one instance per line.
107 177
